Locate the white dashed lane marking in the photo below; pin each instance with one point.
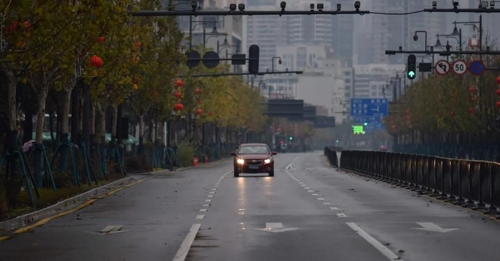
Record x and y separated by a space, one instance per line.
200 216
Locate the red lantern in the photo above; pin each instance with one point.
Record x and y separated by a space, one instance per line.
497 92
197 91
100 39
178 106
27 24
472 110
498 104
177 95
138 44
96 61
135 81
179 83
453 114
498 79
472 89
199 111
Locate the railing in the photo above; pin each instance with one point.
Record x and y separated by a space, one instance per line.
331 155
469 183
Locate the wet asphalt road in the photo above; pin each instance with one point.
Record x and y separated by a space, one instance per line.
311 212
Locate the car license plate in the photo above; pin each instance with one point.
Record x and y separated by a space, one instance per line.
253 167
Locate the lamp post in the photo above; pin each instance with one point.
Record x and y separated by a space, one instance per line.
415 37
272 62
473 23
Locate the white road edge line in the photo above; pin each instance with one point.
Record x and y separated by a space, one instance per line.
186 244
384 250
290 165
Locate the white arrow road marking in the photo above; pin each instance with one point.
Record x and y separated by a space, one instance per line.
186 244
384 250
275 227
428 226
113 229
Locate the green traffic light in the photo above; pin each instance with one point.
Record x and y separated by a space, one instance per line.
411 74
291 138
366 123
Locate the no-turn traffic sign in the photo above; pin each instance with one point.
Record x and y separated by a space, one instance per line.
459 67
442 67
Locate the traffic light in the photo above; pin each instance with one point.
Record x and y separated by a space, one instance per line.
366 124
253 59
411 67
290 138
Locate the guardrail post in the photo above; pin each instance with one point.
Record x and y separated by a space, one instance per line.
445 166
470 202
481 176
460 200
493 171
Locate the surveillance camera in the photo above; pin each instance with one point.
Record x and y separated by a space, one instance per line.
455 4
357 5
415 37
320 7
434 4
241 7
339 6
279 61
232 7
283 5
400 48
194 5
311 7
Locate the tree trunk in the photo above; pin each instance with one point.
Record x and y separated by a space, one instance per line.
42 99
92 123
140 149
64 136
114 122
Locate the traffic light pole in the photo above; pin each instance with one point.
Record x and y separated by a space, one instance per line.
236 74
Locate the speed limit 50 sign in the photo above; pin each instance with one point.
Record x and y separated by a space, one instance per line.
459 67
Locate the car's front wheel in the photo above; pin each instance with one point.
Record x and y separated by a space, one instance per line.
236 172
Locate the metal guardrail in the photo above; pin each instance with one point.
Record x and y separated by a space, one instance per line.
468 183
331 155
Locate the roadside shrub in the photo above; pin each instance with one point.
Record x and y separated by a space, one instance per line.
186 153
137 163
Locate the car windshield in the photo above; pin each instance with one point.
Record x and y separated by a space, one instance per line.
253 150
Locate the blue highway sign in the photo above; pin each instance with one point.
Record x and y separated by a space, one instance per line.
476 67
369 107
363 119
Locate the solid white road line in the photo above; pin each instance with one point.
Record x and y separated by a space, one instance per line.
384 250
200 216
186 244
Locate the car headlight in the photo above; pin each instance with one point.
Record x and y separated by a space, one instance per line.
267 161
240 161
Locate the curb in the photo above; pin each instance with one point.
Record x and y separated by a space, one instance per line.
166 171
66 205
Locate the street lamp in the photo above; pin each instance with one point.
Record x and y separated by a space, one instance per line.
473 23
272 62
415 37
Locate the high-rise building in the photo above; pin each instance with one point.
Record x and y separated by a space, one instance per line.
308 29
343 33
